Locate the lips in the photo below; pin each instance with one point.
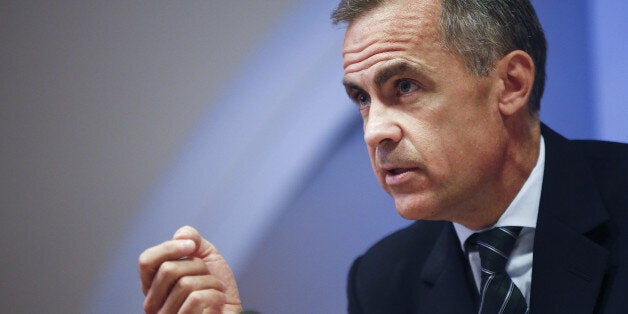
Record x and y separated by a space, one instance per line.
398 175
396 171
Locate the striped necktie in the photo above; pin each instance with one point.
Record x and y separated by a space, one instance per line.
498 293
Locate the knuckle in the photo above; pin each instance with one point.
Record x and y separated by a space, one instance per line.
206 298
186 284
197 298
216 297
144 261
149 307
168 269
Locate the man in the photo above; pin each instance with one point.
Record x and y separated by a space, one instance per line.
449 93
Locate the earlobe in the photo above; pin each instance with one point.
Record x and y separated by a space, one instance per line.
516 70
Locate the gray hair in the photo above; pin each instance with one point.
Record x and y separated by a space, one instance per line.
480 32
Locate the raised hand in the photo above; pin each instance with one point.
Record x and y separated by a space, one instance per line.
187 275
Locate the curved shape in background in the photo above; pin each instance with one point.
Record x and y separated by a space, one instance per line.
270 124
274 122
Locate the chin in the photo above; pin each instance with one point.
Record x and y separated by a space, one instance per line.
413 209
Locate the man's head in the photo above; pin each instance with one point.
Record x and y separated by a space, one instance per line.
448 139
480 31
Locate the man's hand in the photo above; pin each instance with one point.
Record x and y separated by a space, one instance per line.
187 275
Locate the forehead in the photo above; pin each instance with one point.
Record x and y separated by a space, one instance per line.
396 27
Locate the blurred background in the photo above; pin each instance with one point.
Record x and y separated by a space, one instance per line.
121 121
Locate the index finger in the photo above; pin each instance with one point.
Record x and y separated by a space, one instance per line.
152 258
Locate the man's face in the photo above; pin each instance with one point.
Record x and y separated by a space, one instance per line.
433 130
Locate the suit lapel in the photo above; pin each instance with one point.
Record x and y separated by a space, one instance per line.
569 265
446 285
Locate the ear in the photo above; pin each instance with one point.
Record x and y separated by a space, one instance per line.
516 71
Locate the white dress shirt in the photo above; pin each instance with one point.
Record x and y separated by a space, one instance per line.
522 212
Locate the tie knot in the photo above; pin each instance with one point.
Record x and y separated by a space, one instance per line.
494 247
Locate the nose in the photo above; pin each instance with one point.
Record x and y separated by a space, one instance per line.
380 125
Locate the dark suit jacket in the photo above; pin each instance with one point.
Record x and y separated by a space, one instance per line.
580 248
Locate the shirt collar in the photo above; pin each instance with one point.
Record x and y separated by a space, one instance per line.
524 208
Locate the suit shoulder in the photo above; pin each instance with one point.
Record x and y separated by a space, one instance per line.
608 162
603 150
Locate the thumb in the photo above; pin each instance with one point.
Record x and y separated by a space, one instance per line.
216 264
188 233
204 249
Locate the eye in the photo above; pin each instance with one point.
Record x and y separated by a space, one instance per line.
362 99
405 86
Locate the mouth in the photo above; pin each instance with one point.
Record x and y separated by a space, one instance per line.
398 176
396 171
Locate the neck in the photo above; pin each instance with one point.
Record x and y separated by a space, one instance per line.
520 156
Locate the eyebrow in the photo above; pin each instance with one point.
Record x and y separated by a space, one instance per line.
350 85
395 69
387 73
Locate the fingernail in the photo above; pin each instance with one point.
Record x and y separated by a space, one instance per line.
187 245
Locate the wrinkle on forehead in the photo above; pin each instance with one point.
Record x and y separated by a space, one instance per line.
392 28
373 55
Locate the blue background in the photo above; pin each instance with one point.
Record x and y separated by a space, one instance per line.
273 168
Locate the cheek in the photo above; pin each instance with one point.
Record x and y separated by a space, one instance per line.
468 154
438 149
